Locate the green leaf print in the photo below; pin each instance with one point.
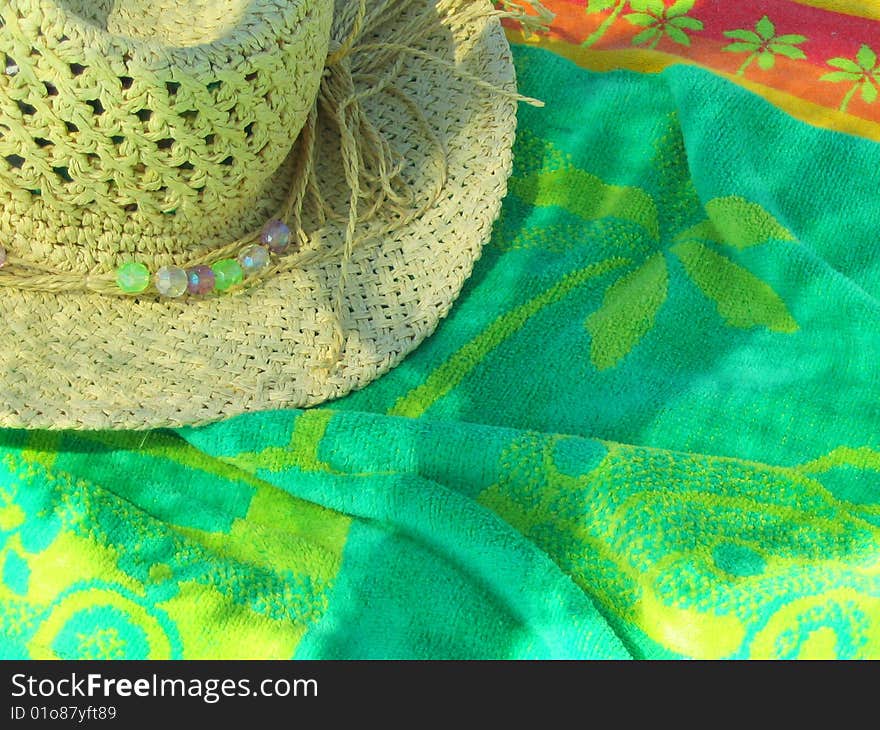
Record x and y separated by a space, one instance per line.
648 6
641 19
866 58
746 36
765 28
763 45
585 195
628 311
630 304
742 299
736 222
680 7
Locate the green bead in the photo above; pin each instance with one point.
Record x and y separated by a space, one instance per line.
227 273
133 277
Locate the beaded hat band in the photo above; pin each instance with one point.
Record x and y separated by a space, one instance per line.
258 210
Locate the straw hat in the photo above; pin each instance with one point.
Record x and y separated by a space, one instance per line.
208 208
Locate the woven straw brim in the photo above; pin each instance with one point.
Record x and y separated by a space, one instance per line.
87 361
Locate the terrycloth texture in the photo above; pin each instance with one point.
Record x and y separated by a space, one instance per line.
647 429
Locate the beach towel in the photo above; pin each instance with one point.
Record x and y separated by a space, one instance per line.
647 429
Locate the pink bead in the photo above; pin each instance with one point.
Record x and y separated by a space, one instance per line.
200 280
276 235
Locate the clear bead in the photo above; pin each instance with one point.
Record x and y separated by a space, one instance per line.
253 259
171 281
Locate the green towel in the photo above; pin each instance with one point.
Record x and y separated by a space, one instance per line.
648 428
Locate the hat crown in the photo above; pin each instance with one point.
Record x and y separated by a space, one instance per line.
149 129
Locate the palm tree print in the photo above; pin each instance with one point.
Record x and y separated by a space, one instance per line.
763 45
649 232
631 304
862 74
660 21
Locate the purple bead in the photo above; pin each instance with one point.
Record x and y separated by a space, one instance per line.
200 280
276 235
